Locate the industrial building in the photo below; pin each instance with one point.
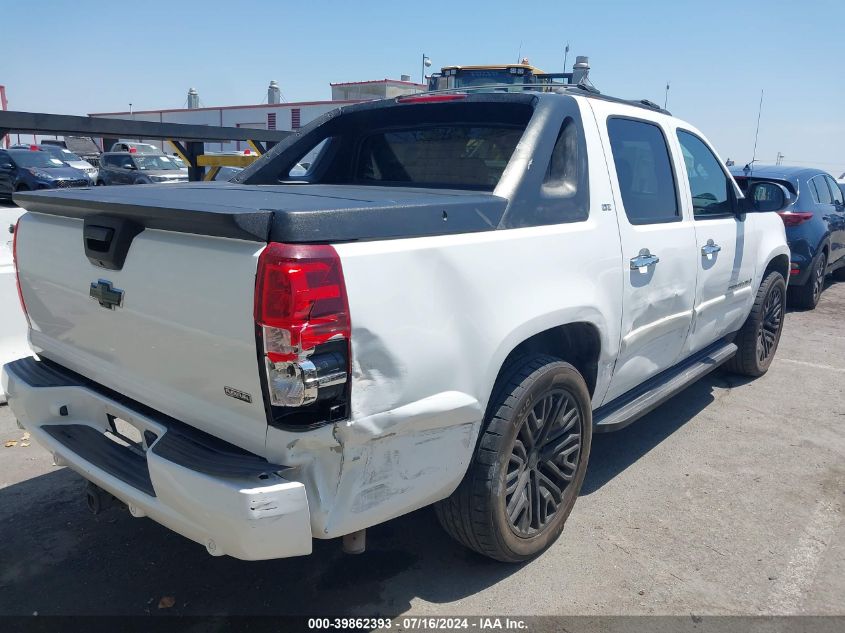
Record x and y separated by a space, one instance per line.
273 115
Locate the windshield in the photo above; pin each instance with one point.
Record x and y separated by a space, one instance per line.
488 76
61 153
26 158
148 162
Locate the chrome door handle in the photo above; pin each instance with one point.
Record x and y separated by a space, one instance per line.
643 260
710 248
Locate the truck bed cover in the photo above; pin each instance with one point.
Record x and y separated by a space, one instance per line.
281 213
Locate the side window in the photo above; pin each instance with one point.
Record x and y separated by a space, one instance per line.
709 186
822 192
835 191
564 187
644 170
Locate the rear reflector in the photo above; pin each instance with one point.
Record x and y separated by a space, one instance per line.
794 269
794 218
301 305
431 98
18 268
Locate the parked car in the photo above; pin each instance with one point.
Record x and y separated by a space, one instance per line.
82 146
131 146
442 310
26 169
125 168
71 160
815 224
179 162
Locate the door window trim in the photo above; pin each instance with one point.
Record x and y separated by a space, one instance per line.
731 182
680 211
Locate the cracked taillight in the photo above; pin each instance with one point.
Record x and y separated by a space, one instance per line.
302 313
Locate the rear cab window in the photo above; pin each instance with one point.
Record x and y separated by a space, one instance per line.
454 155
465 144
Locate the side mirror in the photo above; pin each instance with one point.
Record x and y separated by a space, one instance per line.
6 166
763 197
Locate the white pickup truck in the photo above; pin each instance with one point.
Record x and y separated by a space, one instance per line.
457 293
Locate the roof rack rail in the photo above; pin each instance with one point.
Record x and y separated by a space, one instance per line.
583 88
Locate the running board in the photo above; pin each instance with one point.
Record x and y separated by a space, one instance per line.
631 406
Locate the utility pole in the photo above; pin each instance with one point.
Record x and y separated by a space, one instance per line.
757 133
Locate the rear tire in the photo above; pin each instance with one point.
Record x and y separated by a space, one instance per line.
528 466
807 296
758 339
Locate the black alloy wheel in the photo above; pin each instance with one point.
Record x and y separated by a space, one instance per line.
770 325
543 462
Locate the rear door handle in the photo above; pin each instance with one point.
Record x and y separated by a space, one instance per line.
642 261
710 249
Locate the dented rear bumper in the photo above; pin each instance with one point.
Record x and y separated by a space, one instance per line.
229 500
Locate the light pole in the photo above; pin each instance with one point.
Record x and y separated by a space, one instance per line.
426 63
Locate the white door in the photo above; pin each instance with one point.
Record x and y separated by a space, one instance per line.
725 250
658 249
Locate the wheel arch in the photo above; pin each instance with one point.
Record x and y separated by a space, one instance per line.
778 263
578 343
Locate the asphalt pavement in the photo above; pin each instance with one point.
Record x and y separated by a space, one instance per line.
726 500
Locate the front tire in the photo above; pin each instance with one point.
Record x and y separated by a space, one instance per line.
529 464
758 339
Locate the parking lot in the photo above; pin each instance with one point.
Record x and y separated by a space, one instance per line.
726 500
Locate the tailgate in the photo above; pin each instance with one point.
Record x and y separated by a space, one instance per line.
173 328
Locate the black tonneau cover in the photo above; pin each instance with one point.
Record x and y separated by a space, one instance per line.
280 213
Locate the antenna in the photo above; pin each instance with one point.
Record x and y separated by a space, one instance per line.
565 55
756 134
666 96
519 54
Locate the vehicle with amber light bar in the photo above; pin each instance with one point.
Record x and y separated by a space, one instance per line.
440 308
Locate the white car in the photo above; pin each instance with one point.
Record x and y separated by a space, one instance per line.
13 326
442 310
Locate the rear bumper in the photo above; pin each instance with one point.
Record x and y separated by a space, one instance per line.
233 502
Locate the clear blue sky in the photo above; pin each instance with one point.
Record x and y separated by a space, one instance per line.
91 56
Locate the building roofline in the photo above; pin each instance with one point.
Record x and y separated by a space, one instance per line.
290 104
379 81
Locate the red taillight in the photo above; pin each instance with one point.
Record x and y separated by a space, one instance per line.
34 148
794 218
794 269
18 268
431 98
302 313
300 291
133 150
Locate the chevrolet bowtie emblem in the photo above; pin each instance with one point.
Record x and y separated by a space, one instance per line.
105 294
